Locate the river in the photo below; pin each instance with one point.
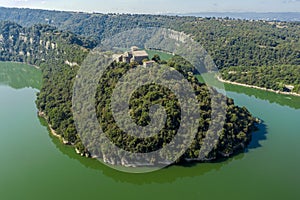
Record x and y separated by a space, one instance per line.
35 165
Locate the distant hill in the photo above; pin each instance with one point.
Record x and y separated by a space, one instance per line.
270 16
229 42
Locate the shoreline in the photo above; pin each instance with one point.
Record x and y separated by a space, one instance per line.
62 140
256 87
52 131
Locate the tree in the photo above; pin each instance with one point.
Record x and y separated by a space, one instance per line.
156 58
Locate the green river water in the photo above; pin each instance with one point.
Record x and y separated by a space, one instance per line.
35 165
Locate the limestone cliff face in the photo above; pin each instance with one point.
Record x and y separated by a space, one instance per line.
35 44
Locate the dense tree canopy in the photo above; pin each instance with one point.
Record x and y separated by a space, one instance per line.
236 133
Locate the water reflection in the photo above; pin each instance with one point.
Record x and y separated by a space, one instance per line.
20 76
271 97
258 136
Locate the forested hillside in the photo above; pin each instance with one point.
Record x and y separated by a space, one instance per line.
229 42
235 134
59 55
